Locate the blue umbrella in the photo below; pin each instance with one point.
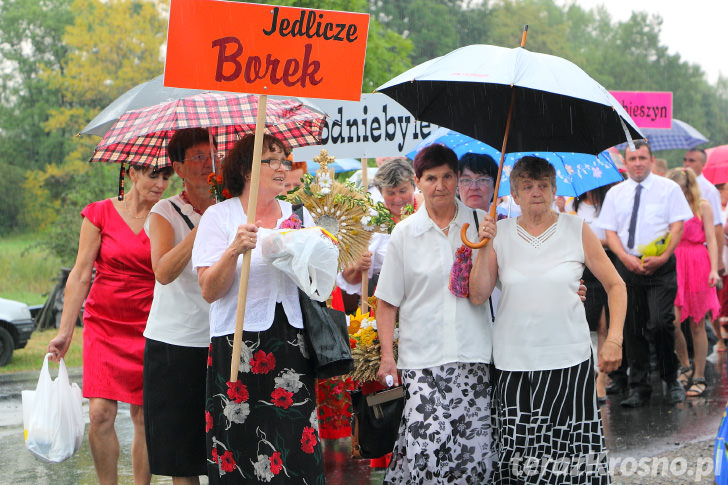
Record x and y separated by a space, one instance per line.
339 165
680 136
576 173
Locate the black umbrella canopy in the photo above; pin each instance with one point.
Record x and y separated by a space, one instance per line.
556 106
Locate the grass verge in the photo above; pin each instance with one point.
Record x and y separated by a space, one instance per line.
28 272
31 357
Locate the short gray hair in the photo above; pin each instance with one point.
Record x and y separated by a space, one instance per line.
394 172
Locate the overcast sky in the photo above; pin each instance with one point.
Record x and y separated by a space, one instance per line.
695 29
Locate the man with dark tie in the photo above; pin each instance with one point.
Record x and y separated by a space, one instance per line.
642 209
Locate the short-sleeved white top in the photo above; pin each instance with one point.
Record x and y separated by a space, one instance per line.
435 326
662 202
179 315
541 323
267 285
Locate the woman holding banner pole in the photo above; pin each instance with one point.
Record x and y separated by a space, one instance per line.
263 426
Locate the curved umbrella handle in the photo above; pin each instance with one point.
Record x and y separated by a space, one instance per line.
471 245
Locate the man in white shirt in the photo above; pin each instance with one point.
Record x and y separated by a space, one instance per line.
636 212
695 159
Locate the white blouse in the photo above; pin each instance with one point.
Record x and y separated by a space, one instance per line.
179 315
267 285
435 326
541 323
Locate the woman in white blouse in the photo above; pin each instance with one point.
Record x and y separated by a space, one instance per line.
262 427
547 423
444 340
178 330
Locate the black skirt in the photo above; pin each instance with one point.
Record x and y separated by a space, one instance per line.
548 428
263 428
596 297
174 408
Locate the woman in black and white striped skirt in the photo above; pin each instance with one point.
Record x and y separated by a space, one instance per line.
547 425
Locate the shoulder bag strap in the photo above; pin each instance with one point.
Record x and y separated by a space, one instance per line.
179 211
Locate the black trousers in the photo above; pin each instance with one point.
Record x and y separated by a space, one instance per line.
650 317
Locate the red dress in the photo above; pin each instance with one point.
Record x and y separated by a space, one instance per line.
116 308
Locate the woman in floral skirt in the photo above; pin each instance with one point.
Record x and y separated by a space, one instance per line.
444 346
263 427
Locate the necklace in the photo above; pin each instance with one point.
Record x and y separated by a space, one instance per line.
186 200
446 226
126 209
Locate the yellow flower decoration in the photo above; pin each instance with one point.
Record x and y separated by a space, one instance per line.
355 321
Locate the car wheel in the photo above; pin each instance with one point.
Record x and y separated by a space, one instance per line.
7 344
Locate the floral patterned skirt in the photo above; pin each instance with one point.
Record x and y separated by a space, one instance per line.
445 433
263 427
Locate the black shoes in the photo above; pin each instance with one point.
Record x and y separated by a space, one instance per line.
636 399
616 387
675 393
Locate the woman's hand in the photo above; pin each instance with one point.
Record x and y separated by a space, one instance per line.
487 228
581 291
387 367
610 357
245 239
364 263
58 347
713 279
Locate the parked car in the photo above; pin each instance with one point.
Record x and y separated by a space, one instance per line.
16 326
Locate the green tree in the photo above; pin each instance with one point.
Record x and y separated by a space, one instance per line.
30 41
429 24
112 46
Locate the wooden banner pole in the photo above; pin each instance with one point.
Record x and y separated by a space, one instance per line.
364 274
252 206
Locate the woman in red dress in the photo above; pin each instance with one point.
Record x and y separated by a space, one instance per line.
113 241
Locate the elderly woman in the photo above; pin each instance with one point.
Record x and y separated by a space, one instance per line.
444 340
541 342
395 180
114 242
476 176
263 426
178 328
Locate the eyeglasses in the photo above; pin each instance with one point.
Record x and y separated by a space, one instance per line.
482 182
275 163
203 157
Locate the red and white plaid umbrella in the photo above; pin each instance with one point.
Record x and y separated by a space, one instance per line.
140 137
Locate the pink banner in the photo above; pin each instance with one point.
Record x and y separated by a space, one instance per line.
648 109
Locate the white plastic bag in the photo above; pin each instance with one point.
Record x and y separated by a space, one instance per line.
53 416
309 256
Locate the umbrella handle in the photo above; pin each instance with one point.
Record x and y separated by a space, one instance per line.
471 245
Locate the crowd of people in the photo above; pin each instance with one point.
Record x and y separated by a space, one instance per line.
483 359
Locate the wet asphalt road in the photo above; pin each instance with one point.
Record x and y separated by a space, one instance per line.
630 434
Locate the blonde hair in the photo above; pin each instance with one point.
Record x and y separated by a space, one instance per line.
688 182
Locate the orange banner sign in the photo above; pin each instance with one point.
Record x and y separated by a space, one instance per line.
265 49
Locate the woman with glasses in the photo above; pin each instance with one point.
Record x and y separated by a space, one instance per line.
178 328
263 426
476 175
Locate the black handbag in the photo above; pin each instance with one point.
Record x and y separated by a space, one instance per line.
327 336
376 422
